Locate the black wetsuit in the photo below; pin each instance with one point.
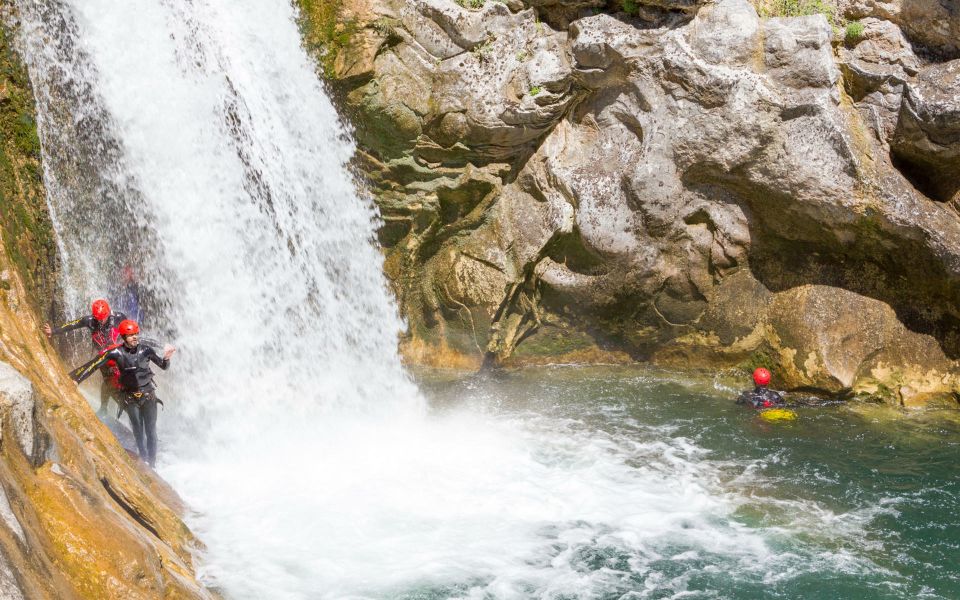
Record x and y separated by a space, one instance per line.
761 397
136 379
103 334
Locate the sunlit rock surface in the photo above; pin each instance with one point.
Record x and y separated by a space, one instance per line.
699 186
934 25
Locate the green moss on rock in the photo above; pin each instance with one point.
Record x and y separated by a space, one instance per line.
324 34
27 231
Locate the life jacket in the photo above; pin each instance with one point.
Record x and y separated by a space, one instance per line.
111 365
108 333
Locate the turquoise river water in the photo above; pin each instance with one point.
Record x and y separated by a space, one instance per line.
701 499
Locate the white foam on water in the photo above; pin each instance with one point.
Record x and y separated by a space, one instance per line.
503 505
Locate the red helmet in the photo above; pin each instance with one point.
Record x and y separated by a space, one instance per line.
100 309
761 376
128 327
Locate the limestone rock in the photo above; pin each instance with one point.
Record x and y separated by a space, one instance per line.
17 406
932 24
9 518
876 69
727 32
9 588
883 44
927 137
662 187
837 338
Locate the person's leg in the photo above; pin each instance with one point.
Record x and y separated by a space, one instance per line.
136 424
106 392
148 414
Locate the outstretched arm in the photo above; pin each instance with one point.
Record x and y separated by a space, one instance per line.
86 370
68 326
164 362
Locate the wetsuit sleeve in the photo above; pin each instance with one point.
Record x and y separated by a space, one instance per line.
150 342
71 325
163 363
84 371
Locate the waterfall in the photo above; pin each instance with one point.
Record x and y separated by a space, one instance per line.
193 142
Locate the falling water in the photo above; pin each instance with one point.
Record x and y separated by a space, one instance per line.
191 141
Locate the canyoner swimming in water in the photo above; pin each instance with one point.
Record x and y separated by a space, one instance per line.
103 324
138 398
761 396
771 404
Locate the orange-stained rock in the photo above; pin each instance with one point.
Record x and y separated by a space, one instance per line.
94 522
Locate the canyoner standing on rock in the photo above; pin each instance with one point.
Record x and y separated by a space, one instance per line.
104 332
761 396
136 380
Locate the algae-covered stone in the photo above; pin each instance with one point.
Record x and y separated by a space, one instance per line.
27 231
838 338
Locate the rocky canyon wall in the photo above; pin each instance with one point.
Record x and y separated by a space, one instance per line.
679 181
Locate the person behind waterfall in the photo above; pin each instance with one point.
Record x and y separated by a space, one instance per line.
761 396
103 325
136 380
127 294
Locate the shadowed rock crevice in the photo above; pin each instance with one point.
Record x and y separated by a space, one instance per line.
130 510
934 180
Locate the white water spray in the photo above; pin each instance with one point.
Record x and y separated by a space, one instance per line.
193 140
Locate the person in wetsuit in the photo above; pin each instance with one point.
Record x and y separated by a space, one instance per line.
761 396
136 380
103 324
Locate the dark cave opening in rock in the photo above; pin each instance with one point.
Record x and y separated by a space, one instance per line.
941 185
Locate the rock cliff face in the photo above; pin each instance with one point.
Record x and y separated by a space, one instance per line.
679 181
79 518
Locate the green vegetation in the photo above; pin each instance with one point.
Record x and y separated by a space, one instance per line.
385 26
474 4
630 7
25 223
760 358
483 49
535 90
325 32
798 8
853 32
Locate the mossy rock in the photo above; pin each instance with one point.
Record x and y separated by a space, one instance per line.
27 230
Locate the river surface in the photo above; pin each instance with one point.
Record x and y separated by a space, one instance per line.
616 483
696 497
